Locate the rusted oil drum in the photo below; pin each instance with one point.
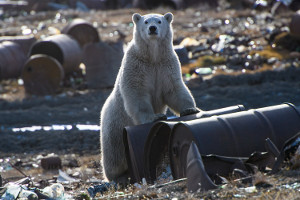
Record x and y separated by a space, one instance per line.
12 59
25 42
82 31
295 24
145 144
42 75
63 48
237 134
157 142
102 62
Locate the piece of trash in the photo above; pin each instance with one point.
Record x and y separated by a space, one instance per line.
144 181
64 48
29 195
16 191
288 150
158 135
12 60
291 148
291 186
262 3
65 178
83 31
51 162
166 174
221 45
245 129
102 63
295 160
93 190
250 189
12 191
239 196
25 42
139 186
168 183
203 71
42 75
197 178
187 42
55 191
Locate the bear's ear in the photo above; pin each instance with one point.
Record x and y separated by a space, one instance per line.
136 17
169 17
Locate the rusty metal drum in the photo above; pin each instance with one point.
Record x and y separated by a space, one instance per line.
82 31
12 60
145 144
236 134
295 24
63 48
42 75
25 41
102 62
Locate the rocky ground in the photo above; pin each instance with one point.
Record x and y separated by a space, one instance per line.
234 46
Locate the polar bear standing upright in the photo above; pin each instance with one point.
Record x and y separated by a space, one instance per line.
149 81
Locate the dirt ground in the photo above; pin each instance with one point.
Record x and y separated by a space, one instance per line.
72 106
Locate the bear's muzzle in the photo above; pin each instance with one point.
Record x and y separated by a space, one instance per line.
152 30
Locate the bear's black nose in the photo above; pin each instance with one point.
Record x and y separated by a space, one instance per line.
152 29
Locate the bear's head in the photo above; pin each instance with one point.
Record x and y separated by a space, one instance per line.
152 27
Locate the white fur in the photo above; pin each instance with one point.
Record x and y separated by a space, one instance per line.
149 81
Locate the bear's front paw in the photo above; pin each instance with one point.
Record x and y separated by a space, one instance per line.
159 117
190 111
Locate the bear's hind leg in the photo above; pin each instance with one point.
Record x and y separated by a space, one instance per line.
113 157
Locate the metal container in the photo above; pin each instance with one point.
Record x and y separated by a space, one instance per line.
82 31
295 24
157 142
51 162
25 42
12 59
102 62
63 48
196 172
42 75
146 144
236 134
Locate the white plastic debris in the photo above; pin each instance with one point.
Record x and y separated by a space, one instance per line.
55 191
251 189
144 181
15 191
65 178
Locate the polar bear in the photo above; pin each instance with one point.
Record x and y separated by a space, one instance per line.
149 81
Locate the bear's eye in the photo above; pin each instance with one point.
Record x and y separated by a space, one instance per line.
146 22
159 22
